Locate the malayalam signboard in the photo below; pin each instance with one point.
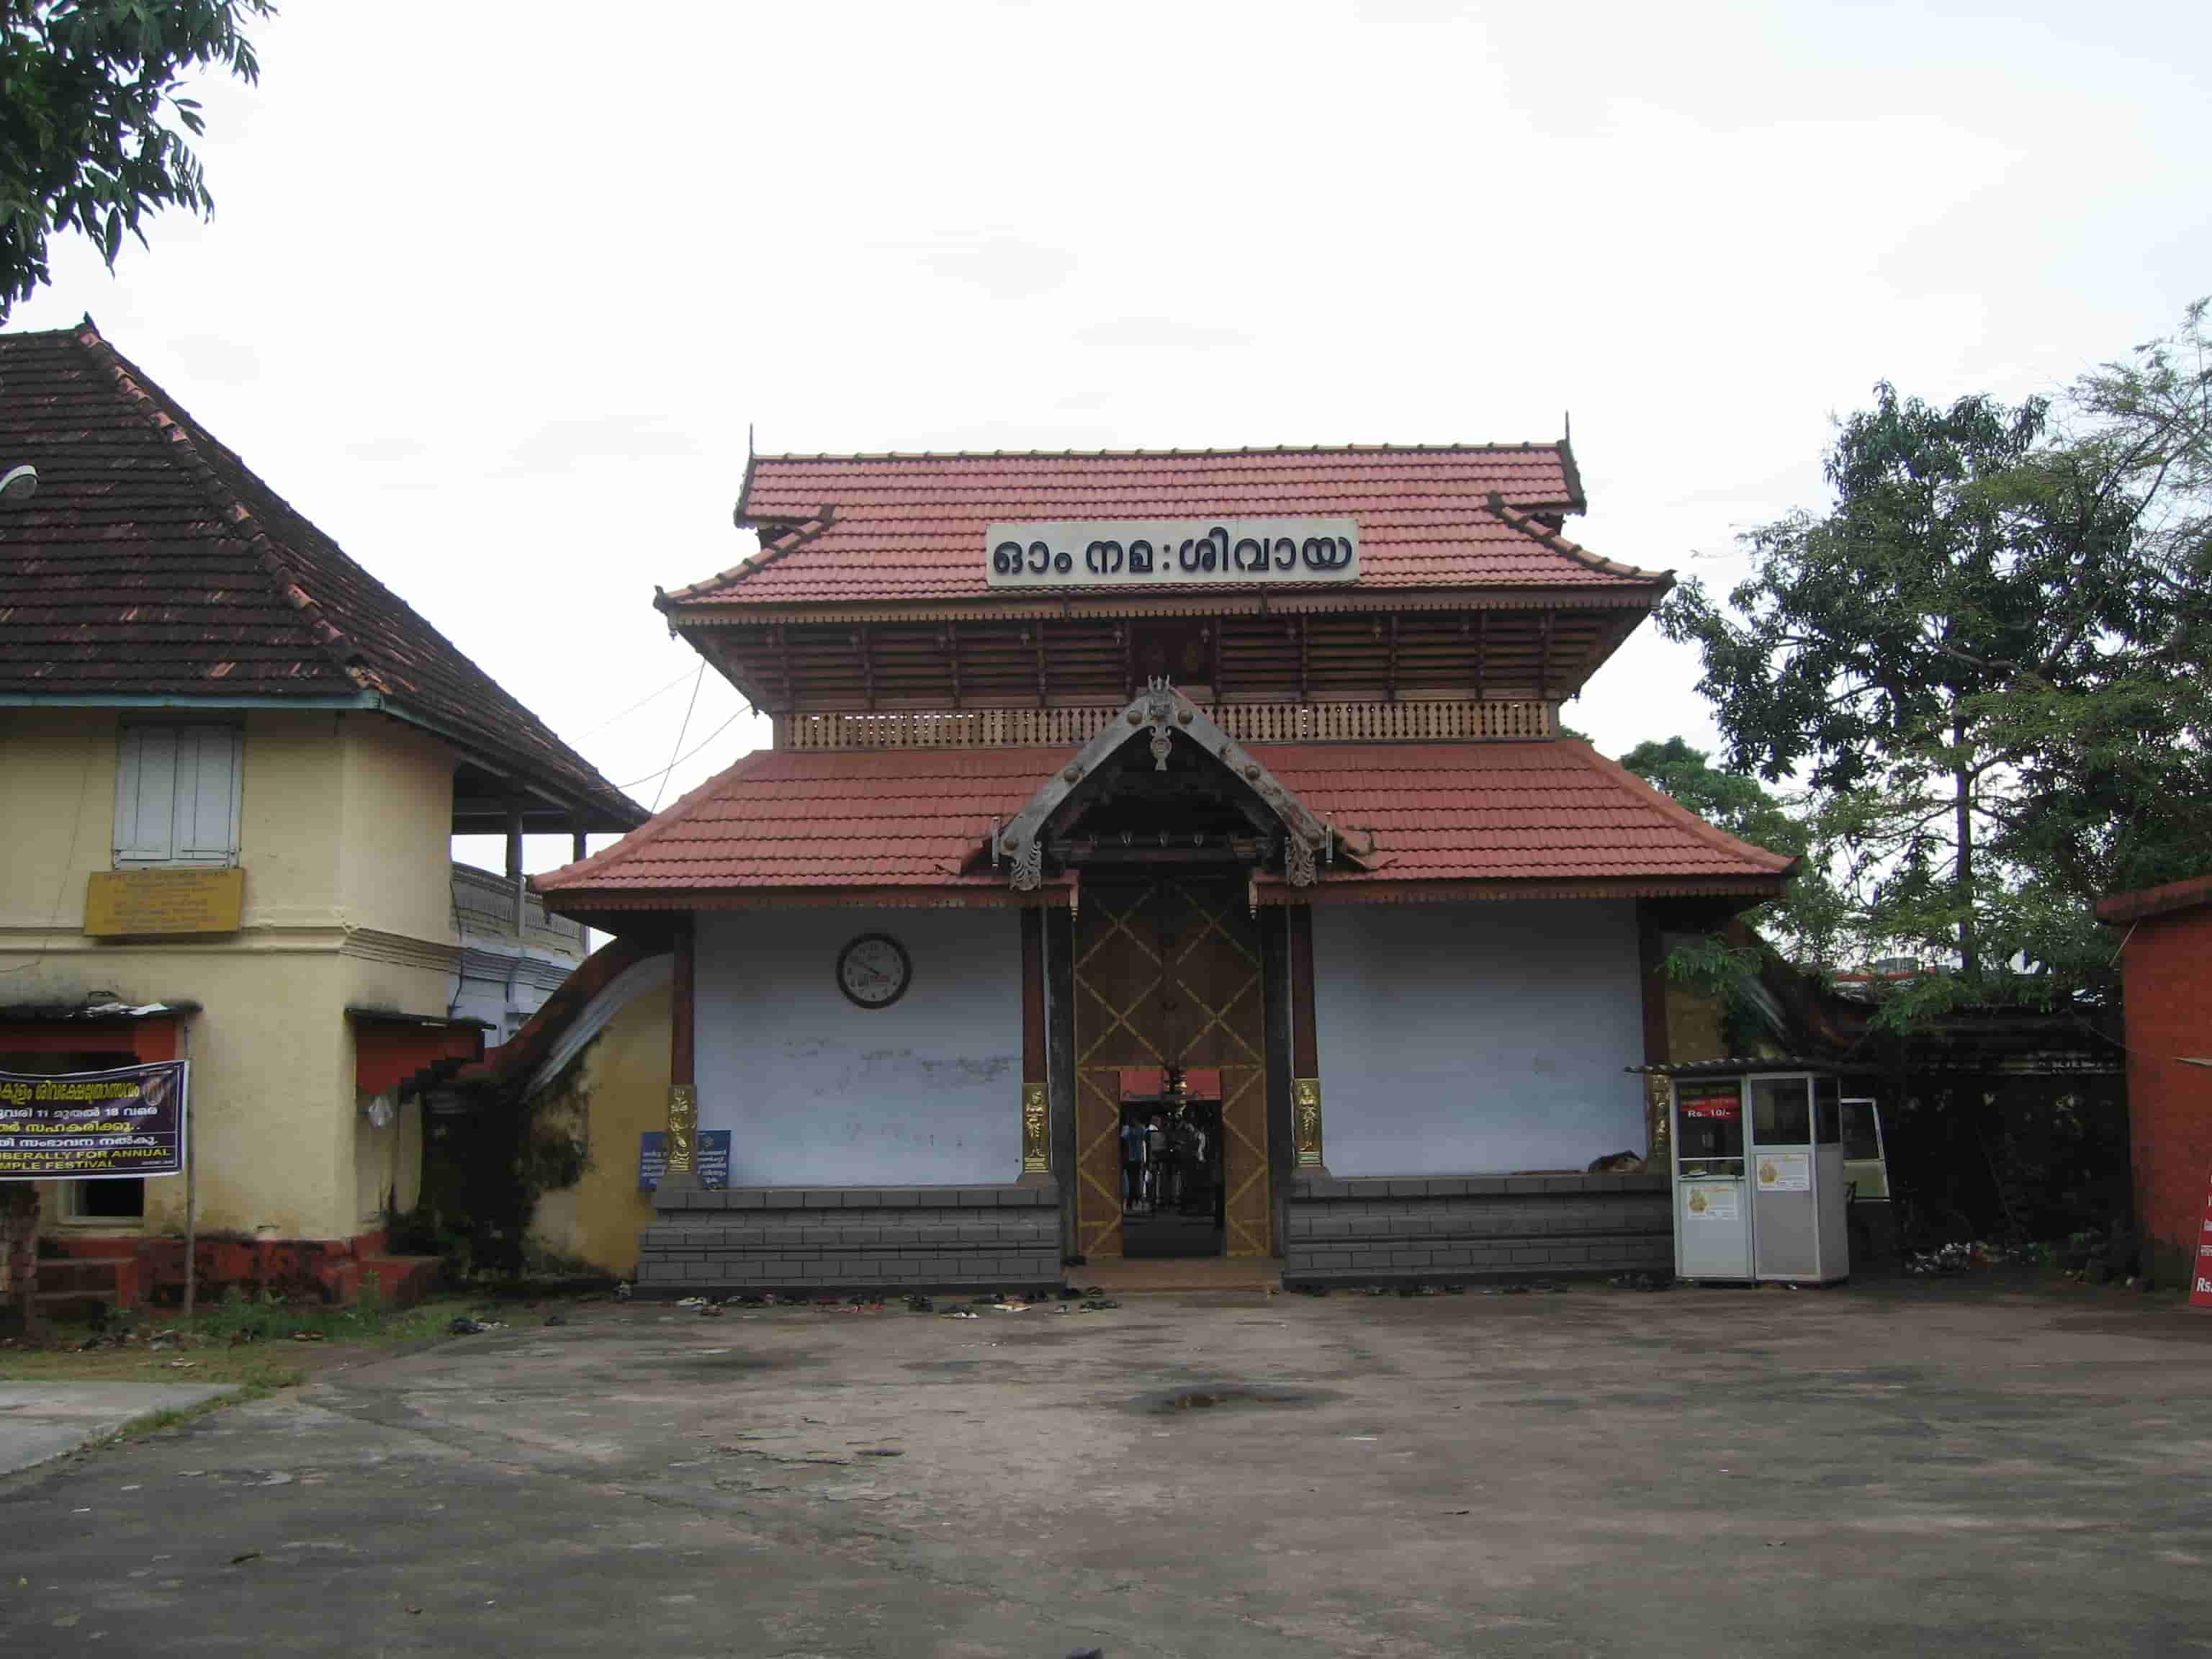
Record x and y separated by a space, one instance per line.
92 1126
155 903
710 1156
1139 553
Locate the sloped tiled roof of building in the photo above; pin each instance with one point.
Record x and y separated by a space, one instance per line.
868 528
1553 815
153 564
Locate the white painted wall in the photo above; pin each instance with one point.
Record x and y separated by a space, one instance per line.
817 1092
1474 1038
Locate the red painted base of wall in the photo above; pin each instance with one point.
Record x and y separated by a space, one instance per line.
130 1270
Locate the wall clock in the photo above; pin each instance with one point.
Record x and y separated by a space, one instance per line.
875 970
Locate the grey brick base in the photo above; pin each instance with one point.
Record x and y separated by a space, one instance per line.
1477 1227
852 1238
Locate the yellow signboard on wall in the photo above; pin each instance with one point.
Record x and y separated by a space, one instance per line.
149 903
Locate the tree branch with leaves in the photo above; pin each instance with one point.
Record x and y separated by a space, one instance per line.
90 109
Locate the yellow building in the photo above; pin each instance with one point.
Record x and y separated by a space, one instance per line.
233 764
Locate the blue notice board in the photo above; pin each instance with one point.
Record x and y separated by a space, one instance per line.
710 1155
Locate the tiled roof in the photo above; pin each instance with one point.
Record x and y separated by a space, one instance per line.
1498 813
2148 901
153 564
1509 811
872 527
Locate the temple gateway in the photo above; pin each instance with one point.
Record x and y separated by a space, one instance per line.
1161 853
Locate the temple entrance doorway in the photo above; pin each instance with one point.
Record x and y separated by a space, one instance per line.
1173 1202
1170 1014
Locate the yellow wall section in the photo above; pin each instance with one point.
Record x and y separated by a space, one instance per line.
56 814
344 836
618 1091
395 867
291 818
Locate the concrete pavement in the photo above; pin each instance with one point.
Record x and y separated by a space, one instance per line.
1874 1471
39 1421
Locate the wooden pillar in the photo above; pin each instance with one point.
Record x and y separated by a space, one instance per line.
1036 1104
682 1091
1305 1047
577 850
1282 1148
1060 1057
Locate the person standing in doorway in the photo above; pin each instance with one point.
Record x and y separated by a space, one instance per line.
1132 1161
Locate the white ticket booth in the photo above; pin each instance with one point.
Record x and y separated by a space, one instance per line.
1759 1191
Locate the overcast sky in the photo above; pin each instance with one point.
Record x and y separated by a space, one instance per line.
493 292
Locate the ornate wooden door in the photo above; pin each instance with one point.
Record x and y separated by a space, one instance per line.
1167 972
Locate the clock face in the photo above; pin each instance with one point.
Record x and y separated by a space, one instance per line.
873 970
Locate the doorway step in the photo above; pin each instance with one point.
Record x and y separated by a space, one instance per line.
1118 1275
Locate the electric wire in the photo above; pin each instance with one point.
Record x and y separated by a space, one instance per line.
632 708
680 733
698 749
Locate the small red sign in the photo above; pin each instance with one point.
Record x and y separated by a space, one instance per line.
2200 1278
1721 1106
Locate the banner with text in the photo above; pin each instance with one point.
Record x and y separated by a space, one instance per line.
90 1126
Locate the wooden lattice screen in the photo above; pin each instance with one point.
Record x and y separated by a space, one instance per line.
1246 722
1168 972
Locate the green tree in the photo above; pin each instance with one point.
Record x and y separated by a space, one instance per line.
1984 664
87 90
2116 768
1806 924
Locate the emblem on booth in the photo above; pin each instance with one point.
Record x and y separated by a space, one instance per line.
875 970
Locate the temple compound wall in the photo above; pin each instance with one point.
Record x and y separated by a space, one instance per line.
1477 1037
815 1092
1474 1062
867 1148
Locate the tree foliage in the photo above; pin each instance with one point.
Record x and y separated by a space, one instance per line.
87 92
1806 924
1984 664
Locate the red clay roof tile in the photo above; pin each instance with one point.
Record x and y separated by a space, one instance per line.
863 528
1452 812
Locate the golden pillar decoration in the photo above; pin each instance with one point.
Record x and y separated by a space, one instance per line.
1037 1150
683 1118
1305 1103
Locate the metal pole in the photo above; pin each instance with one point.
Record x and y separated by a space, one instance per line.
191 1167
514 876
